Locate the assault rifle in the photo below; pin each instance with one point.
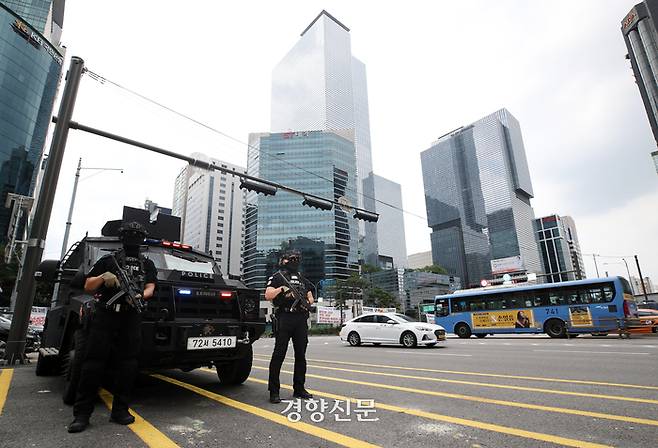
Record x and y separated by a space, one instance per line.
300 301
128 288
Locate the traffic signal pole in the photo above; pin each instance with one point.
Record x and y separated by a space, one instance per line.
15 349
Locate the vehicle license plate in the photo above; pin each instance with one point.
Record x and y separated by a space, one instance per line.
211 342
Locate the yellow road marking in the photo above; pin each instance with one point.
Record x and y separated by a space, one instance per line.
491 375
460 421
496 386
325 434
515 404
5 381
149 434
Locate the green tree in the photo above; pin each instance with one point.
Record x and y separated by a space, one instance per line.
368 269
380 298
434 269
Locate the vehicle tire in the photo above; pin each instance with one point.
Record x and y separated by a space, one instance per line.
48 365
555 328
481 335
73 367
463 330
408 339
236 372
354 339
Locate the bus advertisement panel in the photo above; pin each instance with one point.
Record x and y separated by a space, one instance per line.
557 309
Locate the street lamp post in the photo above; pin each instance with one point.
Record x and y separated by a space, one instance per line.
75 190
627 270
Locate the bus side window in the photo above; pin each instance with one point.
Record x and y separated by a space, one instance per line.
541 299
596 295
584 296
572 296
442 307
608 293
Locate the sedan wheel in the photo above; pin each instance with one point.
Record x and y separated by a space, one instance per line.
409 340
354 339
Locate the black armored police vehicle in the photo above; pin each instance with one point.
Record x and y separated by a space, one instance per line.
197 317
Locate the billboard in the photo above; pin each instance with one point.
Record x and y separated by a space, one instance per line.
522 318
331 315
506 265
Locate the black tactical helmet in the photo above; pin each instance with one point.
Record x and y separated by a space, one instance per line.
132 231
290 255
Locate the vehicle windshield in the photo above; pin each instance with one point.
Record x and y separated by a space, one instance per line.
405 318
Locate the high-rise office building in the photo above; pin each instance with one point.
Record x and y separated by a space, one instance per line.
419 260
636 285
318 162
320 85
391 243
211 207
30 70
46 16
559 247
639 31
477 195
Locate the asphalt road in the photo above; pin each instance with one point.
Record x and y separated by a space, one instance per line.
493 392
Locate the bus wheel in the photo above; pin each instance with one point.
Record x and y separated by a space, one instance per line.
481 335
555 328
462 330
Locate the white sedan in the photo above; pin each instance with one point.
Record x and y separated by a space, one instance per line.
390 328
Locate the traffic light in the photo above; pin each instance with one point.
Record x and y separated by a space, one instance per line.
366 216
258 187
317 203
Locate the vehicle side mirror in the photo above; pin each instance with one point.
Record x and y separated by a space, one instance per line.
47 271
391 321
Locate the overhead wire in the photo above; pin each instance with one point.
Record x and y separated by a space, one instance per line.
103 80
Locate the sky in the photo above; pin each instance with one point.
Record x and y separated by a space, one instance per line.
558 66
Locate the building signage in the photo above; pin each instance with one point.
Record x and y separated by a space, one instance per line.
629 20
35 39
505 265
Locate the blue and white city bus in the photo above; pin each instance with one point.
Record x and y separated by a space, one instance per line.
557 309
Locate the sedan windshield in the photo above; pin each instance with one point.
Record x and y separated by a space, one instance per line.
404 318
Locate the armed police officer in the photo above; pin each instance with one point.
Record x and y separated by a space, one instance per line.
120 282
291 295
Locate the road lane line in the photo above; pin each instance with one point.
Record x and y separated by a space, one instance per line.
497 386
149 434
458 421
5 381
432 354
491 375
325 434
514 404
592 352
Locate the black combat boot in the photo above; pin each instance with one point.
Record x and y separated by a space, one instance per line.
274 397
303 394
79 423
122 417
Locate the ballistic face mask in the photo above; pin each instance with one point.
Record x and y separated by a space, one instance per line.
291 261
132 236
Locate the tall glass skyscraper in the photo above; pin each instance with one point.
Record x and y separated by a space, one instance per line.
320 85
30 70
477 195
559 247
324 165
46 16
639 31
391 239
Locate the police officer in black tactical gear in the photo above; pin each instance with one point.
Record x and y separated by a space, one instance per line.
289 323
113 336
